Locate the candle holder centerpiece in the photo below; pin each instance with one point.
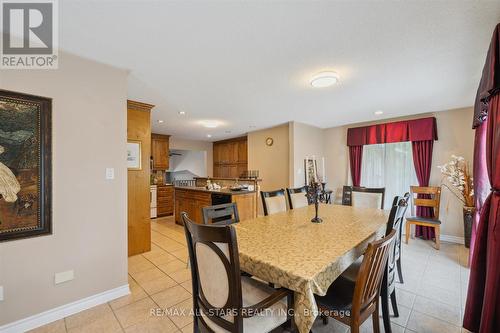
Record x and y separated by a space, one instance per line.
314 193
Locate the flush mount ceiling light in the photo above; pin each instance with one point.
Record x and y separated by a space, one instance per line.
209 123
209 135
324 79
379 112
182 113
161 121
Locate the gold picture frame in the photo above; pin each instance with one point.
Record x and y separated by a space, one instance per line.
134 155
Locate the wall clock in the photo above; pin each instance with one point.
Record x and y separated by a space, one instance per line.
269 142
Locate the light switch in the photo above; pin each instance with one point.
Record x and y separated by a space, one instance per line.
110 173
64 276
1 293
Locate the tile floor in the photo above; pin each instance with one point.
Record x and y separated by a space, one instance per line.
431 299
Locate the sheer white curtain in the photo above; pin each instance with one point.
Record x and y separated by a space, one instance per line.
388 165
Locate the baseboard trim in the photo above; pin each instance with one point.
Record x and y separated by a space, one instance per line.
60 312
450 239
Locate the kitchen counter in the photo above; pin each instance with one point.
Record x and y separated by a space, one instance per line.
192 199
221 191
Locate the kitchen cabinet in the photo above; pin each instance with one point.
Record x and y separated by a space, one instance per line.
165 200
230 157
160 151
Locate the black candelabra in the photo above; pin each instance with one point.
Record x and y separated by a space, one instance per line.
315 192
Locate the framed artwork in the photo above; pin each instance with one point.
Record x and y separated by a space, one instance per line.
310 170
134 150
25 165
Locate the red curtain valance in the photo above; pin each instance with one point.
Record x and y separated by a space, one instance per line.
422 129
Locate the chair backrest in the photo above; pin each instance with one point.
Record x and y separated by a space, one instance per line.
367 289
273 201
346 195
395 222
221 214
368 197
426 196
297 197
215 272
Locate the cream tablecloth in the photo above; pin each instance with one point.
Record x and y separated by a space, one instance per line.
289 250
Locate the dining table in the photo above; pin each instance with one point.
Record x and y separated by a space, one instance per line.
289 250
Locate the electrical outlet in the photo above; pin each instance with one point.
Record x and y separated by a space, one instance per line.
64 276
1 293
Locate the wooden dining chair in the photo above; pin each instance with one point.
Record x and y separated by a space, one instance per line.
273 201
352 302
297 197
223 300
367 197
429 196
221 214
395 220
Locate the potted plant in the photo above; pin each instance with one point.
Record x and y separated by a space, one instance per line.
458 174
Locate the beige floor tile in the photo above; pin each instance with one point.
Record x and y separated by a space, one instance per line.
153 325
333 326
136 312
404 314
157 285
181 275
439 294
181 314
171 296
405 298
188 285
422 323
188 328
136 294
181 254
169 245
107 323
87 316
148 275
162 258
140 266
442 311
172 266
55 327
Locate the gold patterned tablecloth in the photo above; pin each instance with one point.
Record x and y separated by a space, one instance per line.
289 250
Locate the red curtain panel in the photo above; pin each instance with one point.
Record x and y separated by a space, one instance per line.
422 160
482 310
355 157
481 180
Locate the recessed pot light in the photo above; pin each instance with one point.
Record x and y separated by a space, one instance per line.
209 135
182 113
161 121
379 112
324 79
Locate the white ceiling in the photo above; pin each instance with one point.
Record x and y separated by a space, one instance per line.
249 63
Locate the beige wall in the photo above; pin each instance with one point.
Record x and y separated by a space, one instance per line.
89 213
271 161
307 141
184 144
455 137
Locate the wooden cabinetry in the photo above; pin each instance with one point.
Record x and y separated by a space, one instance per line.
230 157
138 192
191 202
165 200
160 151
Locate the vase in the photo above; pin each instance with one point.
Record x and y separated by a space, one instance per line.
468 220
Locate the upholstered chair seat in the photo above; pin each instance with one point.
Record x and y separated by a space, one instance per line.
254 291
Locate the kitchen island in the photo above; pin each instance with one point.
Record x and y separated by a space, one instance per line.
192 199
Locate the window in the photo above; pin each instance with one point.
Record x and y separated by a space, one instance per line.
388 165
